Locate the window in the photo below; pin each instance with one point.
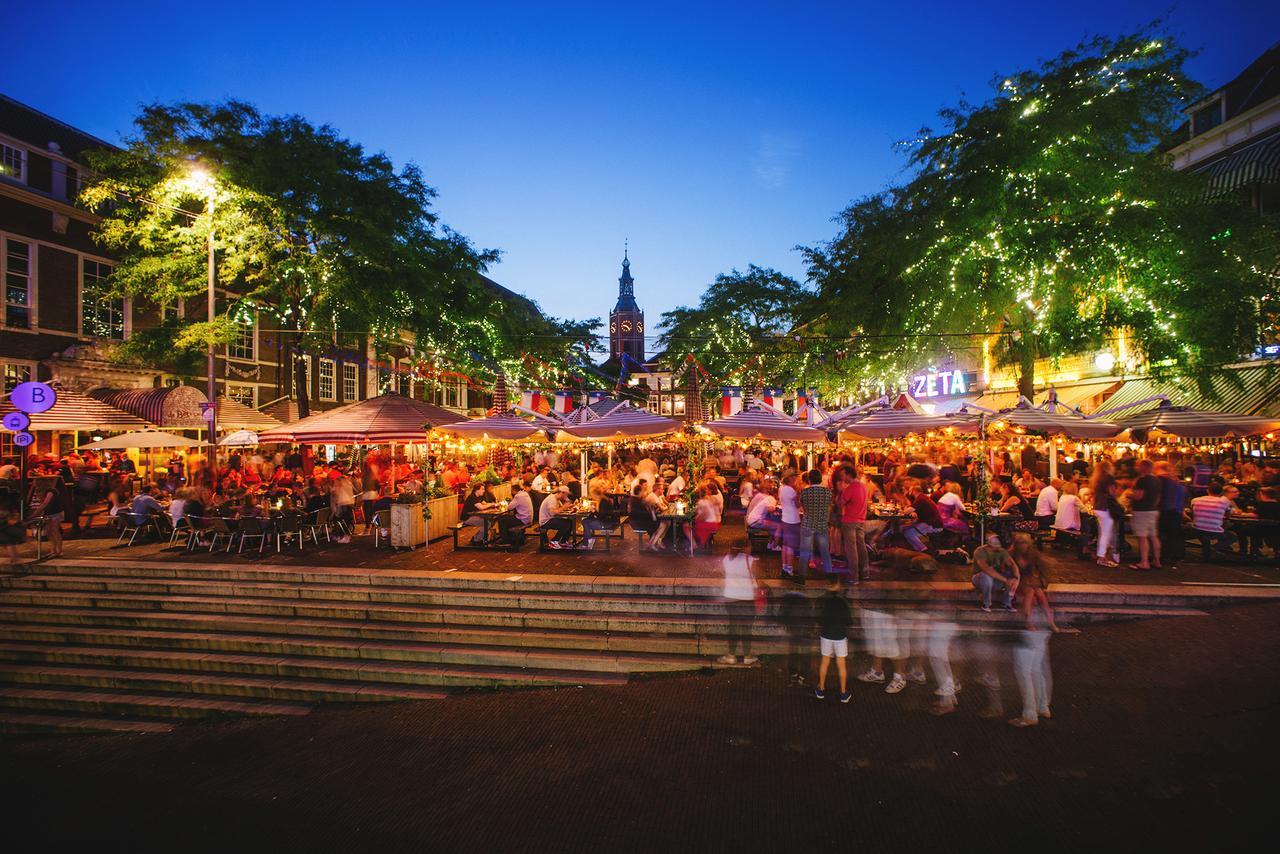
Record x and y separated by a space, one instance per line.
14 374
242 394
350 382
293 375
326 379
1206 118
102 315
404 378
241 347
13 163
170 310
17 284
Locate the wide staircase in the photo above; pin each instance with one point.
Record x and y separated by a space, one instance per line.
103 645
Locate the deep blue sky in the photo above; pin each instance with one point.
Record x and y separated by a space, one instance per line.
710 134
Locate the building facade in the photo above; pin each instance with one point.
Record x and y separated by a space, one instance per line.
60 322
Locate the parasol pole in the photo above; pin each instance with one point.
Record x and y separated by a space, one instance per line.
1053 458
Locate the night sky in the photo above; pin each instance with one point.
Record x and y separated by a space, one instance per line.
712 135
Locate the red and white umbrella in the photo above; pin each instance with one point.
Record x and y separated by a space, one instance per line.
761 422
506 428
1197 423
378 420
891 423
625 422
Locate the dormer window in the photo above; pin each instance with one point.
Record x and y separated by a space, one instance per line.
1207 118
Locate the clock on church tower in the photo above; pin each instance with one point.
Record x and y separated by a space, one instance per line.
626 321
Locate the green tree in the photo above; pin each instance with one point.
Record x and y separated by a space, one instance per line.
312 231
737 331
1049 214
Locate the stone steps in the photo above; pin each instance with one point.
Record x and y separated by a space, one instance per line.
105 645
135 704
31 723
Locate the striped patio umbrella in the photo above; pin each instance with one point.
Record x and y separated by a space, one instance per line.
625 422
76 411
1056 423
891 423
1198 423
760 422
506 428
143 439
388 418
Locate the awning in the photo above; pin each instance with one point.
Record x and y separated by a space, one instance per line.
174 407
76 411
1250 390
1077 395
1256 163
889 423
234 415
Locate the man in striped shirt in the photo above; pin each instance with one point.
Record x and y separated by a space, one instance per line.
1208 515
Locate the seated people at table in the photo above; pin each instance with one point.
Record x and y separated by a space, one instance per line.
1232 494
314 501
519 515
122 463
761 516
543 481
1013 502
1268 510
575 486
1067 517
997 573
478 498
605 518
382 504
145 504
928 519
558 528
706 518
656 506
1208 516
641 513
1047 504
647 469
715 491
599 486
951 509
676 486
746 490
1079 468
1028 483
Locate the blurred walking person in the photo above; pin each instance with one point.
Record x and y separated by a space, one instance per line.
739 603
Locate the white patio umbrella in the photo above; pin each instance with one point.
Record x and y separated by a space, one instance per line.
143 439
240 439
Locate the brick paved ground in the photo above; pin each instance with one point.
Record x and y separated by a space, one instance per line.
1163 737
627 561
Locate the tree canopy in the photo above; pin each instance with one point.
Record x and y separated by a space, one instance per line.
310 229
1049 216
737 331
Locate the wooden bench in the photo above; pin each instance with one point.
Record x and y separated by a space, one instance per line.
488 544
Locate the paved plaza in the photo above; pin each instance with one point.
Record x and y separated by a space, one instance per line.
1165 728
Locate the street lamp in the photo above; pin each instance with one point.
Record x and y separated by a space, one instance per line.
201 182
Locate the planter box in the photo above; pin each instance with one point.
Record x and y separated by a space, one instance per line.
408 528
502 492
444 515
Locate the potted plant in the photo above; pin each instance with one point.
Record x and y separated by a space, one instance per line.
409 520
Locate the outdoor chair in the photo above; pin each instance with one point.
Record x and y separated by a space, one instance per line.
183 527
216 527
320 524
290 527
133 524
250 527
195 531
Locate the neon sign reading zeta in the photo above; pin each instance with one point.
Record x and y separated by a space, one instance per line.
936 385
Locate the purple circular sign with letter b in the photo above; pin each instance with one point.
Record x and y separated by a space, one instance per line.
33 397
16 421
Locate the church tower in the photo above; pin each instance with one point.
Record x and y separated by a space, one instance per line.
626 321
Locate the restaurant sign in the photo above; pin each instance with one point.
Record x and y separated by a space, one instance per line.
942 383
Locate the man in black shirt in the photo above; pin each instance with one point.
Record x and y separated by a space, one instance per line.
1079 466
1146 516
